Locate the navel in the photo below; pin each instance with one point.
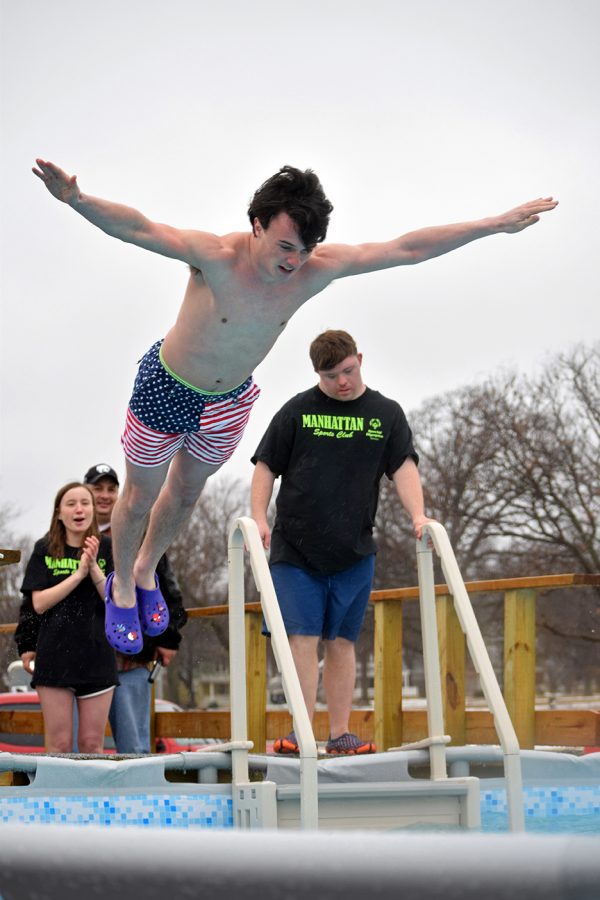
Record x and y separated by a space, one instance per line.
223 320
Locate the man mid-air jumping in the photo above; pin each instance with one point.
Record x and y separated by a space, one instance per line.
194 390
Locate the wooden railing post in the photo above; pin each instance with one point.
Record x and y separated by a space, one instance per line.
519 662
452 668
388 673
256 681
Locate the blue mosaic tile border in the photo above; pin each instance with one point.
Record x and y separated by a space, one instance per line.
568 800
156 811
216 810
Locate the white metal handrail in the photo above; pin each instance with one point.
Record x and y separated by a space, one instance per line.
243 535
434 533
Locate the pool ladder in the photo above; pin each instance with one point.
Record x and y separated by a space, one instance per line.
255 804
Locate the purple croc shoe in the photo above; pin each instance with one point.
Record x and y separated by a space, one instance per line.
121 625
153 610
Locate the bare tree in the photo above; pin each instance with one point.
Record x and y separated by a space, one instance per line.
549 470
511 468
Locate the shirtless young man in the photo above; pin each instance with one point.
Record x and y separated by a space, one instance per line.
242 291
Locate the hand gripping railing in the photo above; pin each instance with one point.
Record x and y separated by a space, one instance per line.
434 533
244 534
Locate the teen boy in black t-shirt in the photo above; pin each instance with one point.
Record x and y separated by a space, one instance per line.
331 445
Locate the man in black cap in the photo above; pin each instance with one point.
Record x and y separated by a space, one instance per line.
104 482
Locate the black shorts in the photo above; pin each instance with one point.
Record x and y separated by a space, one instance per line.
81 691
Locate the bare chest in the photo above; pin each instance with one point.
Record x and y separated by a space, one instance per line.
224 331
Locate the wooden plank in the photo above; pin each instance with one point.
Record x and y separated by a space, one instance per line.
388 675
480 728
542 582
9 557
519 662
21 721
414 725
24 721
222 609
256 680
194 723
567 727
558 728
452 668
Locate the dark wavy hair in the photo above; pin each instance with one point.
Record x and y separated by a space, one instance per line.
300 195
330 348
57 535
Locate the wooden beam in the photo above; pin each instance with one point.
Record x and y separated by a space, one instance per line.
9 557
543 582
452 668
256 680
519 662
387 651
554 728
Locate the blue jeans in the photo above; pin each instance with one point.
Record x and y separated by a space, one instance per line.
129 714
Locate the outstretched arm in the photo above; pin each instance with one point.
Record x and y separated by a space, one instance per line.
125 223
426 243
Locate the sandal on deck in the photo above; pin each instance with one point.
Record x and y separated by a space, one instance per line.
153 610
349 745
287 745
121 624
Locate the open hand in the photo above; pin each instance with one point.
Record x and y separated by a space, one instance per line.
62 186
525 215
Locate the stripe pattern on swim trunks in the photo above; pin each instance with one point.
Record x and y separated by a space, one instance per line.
221 427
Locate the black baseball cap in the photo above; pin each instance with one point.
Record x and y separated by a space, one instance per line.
102 470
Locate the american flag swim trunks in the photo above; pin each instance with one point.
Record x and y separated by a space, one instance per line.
165 414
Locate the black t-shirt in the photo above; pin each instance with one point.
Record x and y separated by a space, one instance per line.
331 455
72 648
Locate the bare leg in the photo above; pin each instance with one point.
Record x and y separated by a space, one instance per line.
176 501
306 660
93 716
129 520
57 709
339 678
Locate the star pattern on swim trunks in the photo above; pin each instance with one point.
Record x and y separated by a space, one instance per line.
163 403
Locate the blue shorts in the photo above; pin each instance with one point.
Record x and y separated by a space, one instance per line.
327 606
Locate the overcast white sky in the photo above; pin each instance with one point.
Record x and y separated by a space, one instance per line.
412 114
